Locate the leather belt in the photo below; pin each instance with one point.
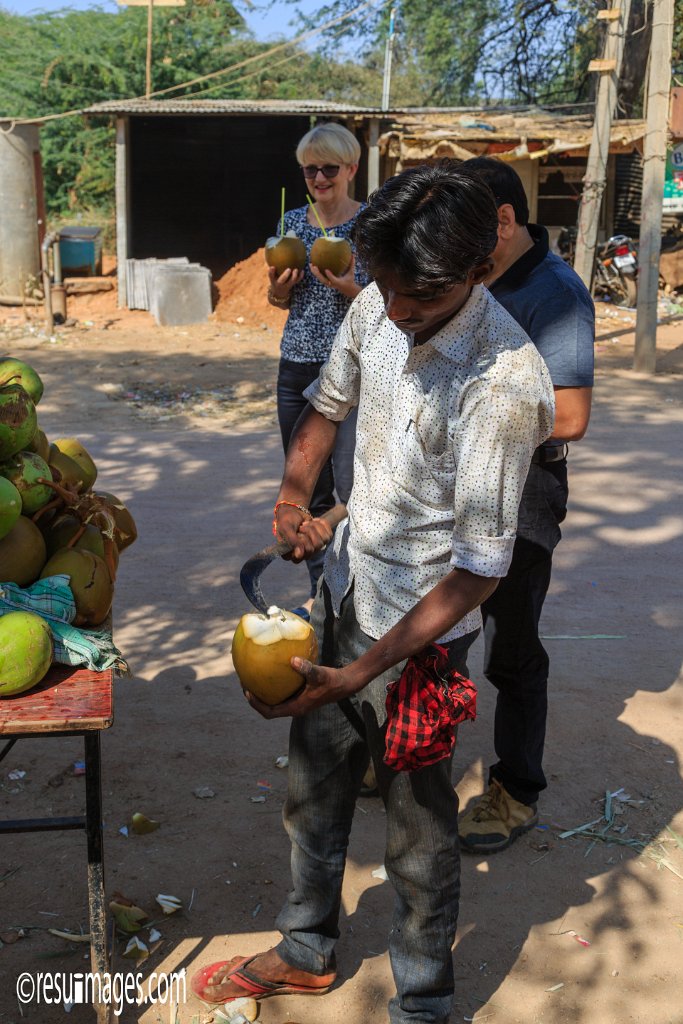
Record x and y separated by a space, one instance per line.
547 453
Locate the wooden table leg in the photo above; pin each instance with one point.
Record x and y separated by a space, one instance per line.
99 956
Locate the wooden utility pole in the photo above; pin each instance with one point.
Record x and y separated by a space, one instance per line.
388 52
150 5
654 160
595 180
148 62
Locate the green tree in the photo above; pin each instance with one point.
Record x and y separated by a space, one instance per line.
68 60
515 51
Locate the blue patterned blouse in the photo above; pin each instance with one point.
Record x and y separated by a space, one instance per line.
315 312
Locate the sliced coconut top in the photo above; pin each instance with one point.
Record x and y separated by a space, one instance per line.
276 625
274 239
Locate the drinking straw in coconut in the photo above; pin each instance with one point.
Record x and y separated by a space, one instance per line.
315 213
282 216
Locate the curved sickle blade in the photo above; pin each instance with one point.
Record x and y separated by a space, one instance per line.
250 574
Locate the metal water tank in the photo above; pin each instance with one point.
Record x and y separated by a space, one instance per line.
19 243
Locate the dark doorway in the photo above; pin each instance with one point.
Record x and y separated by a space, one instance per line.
209 187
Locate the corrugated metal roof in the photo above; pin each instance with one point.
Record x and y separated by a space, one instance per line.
189 106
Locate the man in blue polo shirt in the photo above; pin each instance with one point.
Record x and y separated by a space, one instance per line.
549 301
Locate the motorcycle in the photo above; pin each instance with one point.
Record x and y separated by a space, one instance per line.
616 266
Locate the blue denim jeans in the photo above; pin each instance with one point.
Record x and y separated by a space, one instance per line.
337 473
515 660
329 751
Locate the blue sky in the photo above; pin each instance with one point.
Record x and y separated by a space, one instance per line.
265 20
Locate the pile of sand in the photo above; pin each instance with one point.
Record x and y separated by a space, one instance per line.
242 293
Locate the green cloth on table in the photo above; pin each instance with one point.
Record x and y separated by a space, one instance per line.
51 598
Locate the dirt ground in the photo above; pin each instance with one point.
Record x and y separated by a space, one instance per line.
182 424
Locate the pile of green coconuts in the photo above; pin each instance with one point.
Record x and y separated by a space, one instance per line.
52 522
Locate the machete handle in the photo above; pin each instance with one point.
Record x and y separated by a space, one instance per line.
334 516
252 569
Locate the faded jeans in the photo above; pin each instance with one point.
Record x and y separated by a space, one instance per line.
337 473
328 757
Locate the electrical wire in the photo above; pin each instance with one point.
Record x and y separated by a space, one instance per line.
214 74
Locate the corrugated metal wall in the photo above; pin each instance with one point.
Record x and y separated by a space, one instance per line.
628 190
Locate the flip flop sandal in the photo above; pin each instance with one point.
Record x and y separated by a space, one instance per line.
253 985
261 988
203 977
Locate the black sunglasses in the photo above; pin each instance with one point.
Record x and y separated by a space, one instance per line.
328 171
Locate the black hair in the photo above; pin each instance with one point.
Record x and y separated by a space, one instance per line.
504 182
428 225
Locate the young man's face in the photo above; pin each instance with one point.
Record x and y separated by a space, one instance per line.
425 310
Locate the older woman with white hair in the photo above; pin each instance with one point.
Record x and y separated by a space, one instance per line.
317 302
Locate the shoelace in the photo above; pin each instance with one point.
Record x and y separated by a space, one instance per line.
493 806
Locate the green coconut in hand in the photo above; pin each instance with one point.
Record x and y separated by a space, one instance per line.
25 652
331 253
287 252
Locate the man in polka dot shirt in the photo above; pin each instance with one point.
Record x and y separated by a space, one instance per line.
453 399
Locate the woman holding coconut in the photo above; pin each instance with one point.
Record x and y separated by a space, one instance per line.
318 301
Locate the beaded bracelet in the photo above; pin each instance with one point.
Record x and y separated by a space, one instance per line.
302 508
275 300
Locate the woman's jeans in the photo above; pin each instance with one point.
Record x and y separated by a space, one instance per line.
337 473
328 757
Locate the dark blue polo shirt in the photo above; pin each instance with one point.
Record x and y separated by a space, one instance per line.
550 302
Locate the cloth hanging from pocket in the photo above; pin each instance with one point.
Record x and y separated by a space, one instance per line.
424 706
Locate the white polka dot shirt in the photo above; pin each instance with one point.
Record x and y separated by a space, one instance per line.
446 431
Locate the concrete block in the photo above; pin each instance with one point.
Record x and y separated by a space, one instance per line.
179 294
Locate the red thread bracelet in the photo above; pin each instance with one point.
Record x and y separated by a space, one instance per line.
302 508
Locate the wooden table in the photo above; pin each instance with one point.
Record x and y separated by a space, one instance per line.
70 702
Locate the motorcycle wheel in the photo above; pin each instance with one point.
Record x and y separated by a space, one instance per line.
623 290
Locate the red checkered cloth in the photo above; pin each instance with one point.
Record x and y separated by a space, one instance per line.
423 707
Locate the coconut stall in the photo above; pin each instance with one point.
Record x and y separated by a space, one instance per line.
60 542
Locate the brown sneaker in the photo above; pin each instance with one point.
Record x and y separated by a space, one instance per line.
495 821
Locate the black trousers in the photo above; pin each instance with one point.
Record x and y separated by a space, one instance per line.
515 660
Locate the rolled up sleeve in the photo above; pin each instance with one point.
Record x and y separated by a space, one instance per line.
501 428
